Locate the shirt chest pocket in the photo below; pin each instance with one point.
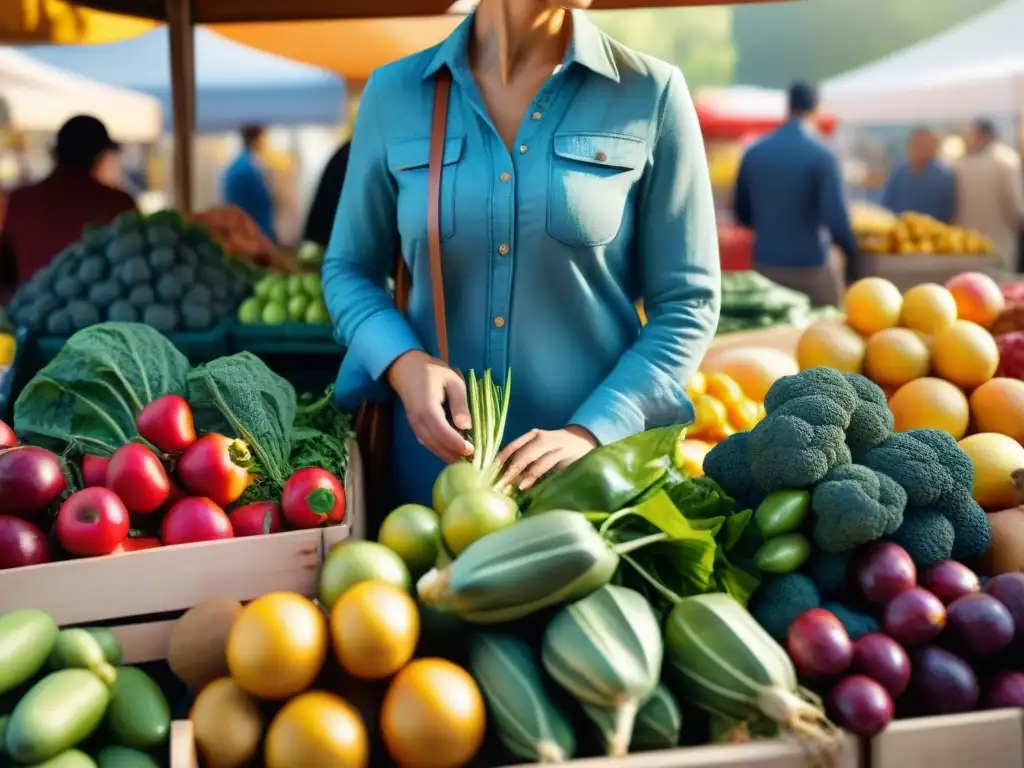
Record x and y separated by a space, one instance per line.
590 181
409 164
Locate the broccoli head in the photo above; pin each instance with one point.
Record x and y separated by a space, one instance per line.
828 572
820 380
957 463
728 465
927 535
799 443
854 505
871 421
780 599
912 464
972 533
857 624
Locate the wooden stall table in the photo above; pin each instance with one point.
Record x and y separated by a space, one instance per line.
910 269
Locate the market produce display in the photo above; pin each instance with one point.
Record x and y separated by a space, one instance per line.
280 298
65 697
750 300
155 269
916 233
127 448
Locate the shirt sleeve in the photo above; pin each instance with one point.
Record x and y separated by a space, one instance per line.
947 210
835 216
677 248
741 196
361 252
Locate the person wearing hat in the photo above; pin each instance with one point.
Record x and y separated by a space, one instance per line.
45 217
789 191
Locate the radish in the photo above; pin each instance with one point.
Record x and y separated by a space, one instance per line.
942 682
979 625
137 476
882 571
861 706
21 543
883 660
914 617
313 497
950 580
92 522
215 466
167 423
94 471
1005 691
818 644
195 519
7 437
256 519
31 479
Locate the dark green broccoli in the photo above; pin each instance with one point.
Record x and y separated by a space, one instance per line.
857 624
162 317
129 221
141 296
58 323
196 317
186 274
169 288
854 505
729 466
92 270
828 572
162 259
168 218
35 314
95 238
188 256
221 309
780 599
160 236
123 312
194 234
818 381
83 314
198 294
135 271
209 251
67 288
912 464
125 247
105 292
927 536
972 533
951 455
871 421
799 443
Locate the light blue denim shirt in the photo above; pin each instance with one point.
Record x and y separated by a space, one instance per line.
604 200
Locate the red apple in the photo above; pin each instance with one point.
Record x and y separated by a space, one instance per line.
978 298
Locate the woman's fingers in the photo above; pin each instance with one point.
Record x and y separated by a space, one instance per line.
524 456
458 403
539 468
514 446
444 441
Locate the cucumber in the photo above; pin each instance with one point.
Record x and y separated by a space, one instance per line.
139 715
78 648
59 712
26 641
124 757
70 759
109 643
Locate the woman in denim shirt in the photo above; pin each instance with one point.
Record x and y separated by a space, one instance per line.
574 184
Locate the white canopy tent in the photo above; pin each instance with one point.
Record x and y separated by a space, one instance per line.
973 69
39 97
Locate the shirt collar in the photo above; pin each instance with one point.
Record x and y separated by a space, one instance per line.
588 48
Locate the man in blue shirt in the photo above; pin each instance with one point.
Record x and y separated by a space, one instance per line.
245 184
923 184
789 191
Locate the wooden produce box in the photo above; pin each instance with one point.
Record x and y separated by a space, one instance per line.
138 594
991 739
908 270
768 754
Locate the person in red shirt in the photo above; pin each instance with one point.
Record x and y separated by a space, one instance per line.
44 218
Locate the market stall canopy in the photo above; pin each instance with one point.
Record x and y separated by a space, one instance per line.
223 11
56 21
737 111
975 68
235 84
38 97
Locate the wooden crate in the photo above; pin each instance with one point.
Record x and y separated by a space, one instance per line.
991 739
908 270
169 580
769 754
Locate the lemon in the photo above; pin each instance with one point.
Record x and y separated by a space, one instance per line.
297 306
251 311
472 515
275 313
412 532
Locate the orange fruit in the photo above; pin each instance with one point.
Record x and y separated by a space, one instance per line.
317 728
693 453
374 628
928 308
832 344
755 369
709 413
743 415
895 356
698 386
978 298
872 305
930 403
723 387
998 406
965 354
994 457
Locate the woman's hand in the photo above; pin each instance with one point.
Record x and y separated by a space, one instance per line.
425 385
536 453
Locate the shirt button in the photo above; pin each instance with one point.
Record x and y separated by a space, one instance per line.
522 149
601 157
503 249
537 115
499 322
505 177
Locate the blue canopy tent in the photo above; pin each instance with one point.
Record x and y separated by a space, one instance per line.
235 84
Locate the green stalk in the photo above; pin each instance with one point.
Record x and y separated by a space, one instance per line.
476 437
660 588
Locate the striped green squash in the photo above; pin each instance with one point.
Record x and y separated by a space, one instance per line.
606 650
658 723
528 722
726 664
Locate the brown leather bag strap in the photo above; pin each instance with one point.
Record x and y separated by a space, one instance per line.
438 128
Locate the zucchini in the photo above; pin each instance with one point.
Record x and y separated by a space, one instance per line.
108 641
606 650
658 725
535 563
727 665
124 757
139 715
26 640
72 758
78 648
60 711
528 723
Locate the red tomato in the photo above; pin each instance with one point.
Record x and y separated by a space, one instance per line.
138 544
94 471
313 497
7 437
195 519
137 476
92 522
167 423
257 518
215 467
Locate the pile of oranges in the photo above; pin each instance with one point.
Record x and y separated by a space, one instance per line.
721 408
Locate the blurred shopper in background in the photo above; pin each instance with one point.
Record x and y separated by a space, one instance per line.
45 217
789 191
320 220
990 190
246 184
924 183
